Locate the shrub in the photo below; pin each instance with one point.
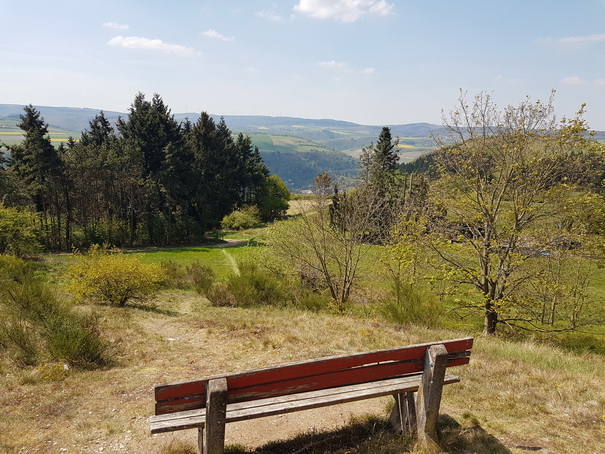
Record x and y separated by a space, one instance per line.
174 275
113 278
14 269
36 325
75 338
244 218
314 301
220 295
20 341
256 286
253 286
105 231
200 277
18 232
410 306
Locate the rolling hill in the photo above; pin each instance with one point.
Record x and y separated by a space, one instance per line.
296 149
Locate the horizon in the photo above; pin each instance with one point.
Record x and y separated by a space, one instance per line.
38 107
369 62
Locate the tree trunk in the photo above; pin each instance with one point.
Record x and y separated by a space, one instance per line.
490 321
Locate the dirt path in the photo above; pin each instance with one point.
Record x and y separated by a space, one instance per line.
231 261
261 431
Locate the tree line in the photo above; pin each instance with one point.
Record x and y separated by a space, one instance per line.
148 180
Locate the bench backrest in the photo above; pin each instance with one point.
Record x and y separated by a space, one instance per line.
309 375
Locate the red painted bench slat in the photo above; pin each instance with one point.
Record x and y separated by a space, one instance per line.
308 375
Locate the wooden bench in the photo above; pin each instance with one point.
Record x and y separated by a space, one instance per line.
208 403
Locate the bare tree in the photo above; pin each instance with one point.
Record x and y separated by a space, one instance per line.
325 253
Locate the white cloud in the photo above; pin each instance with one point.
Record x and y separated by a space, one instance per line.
578 81
269 15
573 80
342 66
582 39
508 80
343 10
333 64
136 42
116 26
213 34
574 40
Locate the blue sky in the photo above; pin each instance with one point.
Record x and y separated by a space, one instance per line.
368 61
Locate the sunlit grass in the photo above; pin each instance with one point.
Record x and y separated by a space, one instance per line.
512 393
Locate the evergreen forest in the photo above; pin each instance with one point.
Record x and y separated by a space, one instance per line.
149 181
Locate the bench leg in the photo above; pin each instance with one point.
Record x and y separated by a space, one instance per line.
200 439
211 439
429 397
403 415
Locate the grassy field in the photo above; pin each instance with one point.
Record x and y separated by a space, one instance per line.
285 144
13 137
517 395
522 395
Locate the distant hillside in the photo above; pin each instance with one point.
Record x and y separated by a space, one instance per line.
296 149
65 118
298 161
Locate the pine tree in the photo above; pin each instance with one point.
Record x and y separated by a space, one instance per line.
100 131
149 132
38 165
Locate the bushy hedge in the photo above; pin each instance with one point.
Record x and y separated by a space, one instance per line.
408 305
244 218
114 278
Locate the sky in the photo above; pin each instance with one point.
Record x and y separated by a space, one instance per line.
376 62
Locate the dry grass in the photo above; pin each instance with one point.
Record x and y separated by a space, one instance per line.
304 205
518 396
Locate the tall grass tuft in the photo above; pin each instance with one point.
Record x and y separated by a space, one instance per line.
409 305
253 286
36 325
195 276
200 277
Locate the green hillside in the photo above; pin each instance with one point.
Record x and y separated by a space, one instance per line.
298 161
296 149
10 134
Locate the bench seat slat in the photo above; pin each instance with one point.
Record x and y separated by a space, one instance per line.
290 403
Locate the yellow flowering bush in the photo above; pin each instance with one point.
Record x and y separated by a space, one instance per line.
114 278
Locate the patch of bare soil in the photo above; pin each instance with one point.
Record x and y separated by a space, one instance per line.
258 432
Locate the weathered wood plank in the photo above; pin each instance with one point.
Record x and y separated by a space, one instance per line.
403 415
429 397
296 402
213 437
304 384
308 375
326 364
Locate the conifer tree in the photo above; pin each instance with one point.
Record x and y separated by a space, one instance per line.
38 165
